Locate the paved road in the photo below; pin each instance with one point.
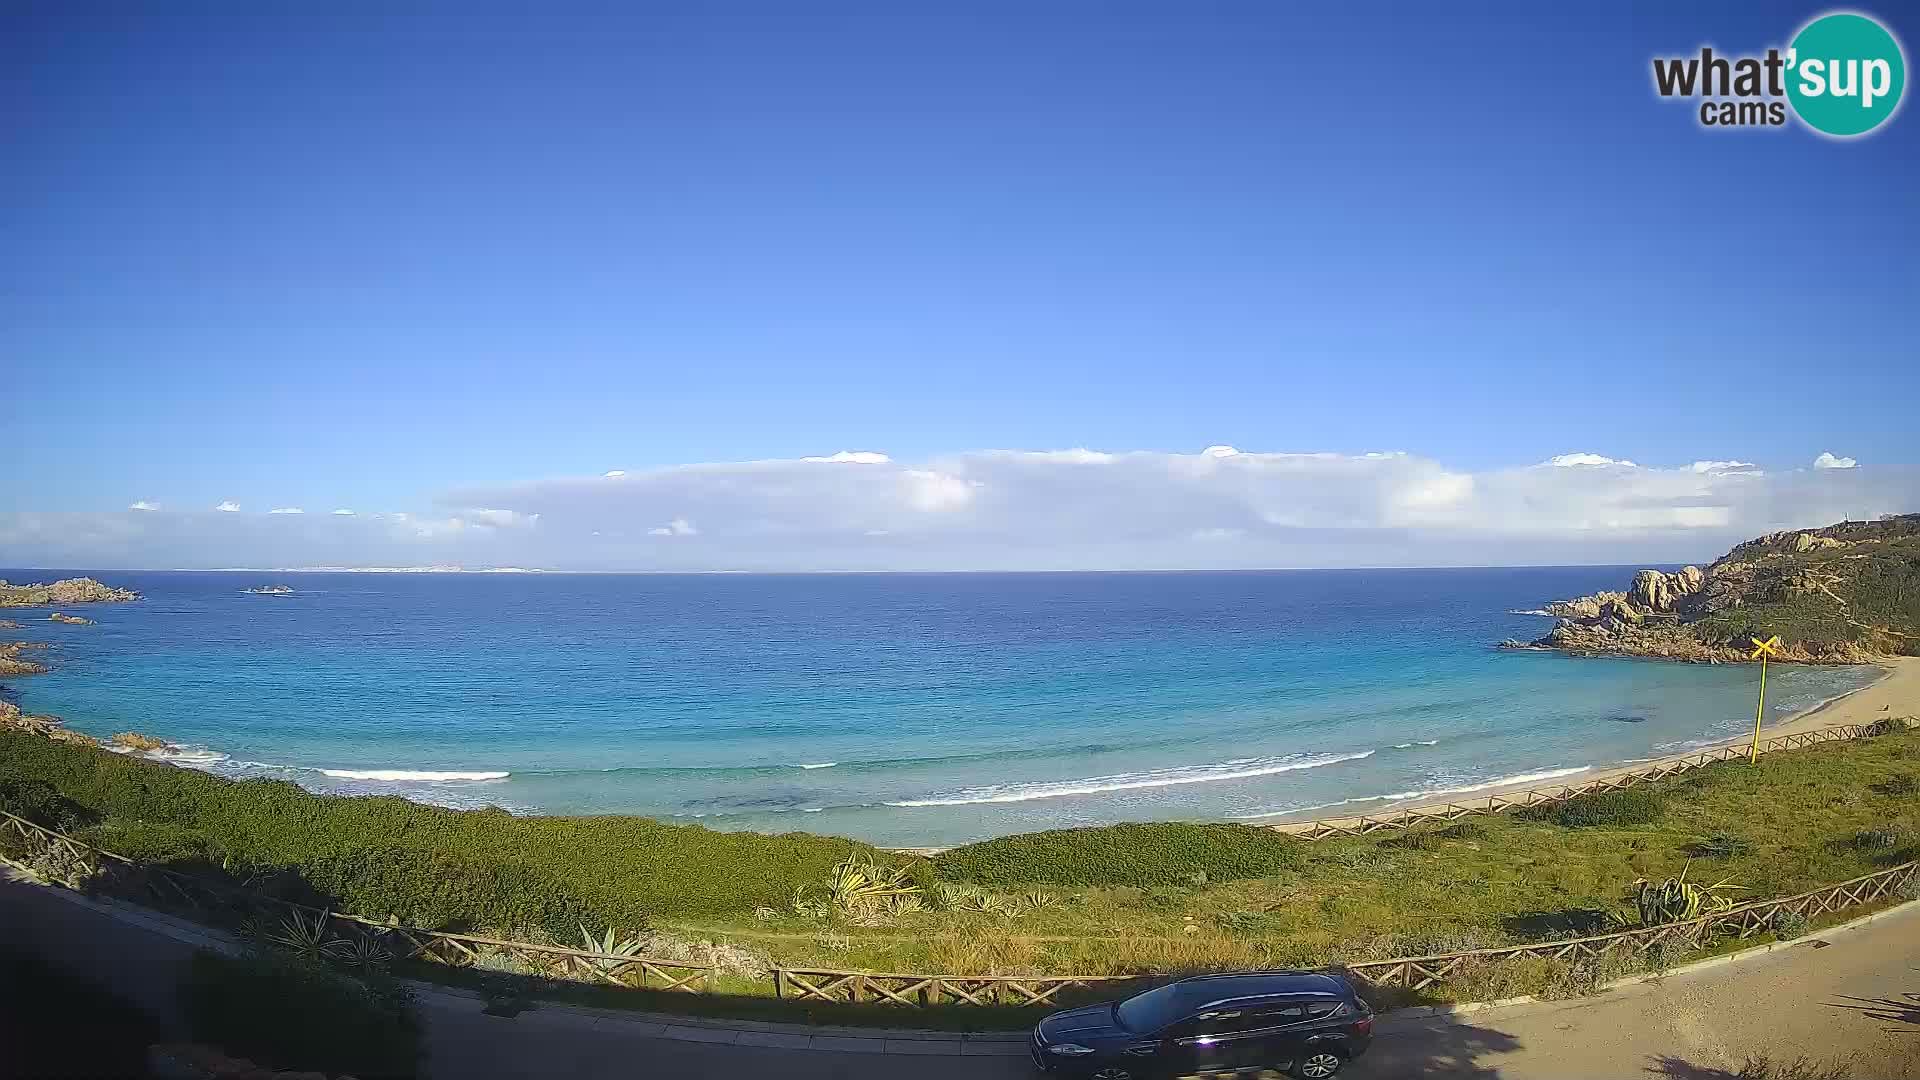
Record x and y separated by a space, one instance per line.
1858 993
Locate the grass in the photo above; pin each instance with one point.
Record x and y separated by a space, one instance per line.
1124 900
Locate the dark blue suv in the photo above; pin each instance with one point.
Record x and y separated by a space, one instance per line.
1308 1023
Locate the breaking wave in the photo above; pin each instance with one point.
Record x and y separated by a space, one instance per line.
1237 769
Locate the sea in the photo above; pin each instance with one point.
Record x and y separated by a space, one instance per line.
903 709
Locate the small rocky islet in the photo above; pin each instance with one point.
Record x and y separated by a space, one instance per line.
1845 594
68 591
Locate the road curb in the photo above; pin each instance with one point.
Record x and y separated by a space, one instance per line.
842 1039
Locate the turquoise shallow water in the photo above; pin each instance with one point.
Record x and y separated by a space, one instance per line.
905 709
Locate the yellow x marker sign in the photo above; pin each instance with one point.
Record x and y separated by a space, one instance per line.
1769 647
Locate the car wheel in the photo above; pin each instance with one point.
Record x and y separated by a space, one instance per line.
1318 1065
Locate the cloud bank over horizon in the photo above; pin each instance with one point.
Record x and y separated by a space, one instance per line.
1072 509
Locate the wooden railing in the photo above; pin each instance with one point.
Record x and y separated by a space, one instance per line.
82 867
1744 921
57 857
1361 825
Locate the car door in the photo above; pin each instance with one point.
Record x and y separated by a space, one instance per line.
1220 1041
1275 1039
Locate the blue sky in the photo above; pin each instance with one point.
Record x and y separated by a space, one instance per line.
385 263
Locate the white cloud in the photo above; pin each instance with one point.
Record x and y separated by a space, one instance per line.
286 510
851 457
228 507
1826 460
1221 451
343 512
144 505
498 519
1568 460
614 474
1010 509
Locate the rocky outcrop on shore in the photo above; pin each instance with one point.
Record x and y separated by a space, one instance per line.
12 664
68 591
71 620
1840 595
47 727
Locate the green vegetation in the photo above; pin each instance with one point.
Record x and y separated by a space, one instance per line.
1856 583
1163 853
433 867
1124 900
1634 806
1677 899
295 1013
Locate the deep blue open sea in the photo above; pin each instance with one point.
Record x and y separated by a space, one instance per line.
905 709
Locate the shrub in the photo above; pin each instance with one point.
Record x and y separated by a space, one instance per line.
1899 785
1163 853
293 1014
1466 829
1788 925
1416 840
442 891
387 856
1885 838
41 803
1721 845
1634 806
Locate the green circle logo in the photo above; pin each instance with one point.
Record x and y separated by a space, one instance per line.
1845 74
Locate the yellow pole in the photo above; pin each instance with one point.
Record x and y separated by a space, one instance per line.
1753 752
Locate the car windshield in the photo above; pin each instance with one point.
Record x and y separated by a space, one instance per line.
1150 1011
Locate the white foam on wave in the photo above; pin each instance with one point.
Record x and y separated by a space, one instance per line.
193 757
1427 793
410 774
1238 769
1411 745
820 765
1532 611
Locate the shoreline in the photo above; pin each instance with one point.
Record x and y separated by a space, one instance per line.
1895 693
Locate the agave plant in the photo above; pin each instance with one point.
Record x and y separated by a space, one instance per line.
902 904
859 883
979 901
611 944
308 938
1677 899
363 953
1039 899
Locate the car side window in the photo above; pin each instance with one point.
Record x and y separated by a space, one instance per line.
1291 1013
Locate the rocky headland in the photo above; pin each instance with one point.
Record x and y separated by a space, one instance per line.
1845 594
12 664
69 591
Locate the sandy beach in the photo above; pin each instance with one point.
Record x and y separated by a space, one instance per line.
1897 693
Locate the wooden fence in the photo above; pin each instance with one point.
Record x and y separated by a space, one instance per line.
82 867
1326 828
1744 921
77 865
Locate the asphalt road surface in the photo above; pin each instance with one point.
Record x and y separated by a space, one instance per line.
1856 994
